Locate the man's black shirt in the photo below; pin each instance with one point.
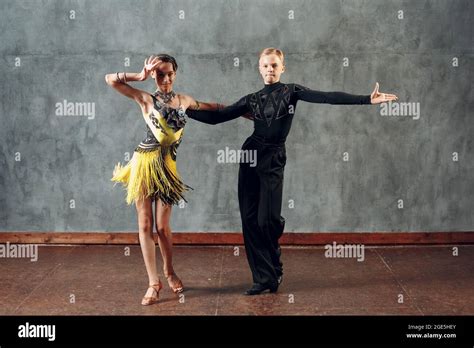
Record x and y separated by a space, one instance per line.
273 107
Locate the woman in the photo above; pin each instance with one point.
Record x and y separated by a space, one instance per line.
260 187
151 175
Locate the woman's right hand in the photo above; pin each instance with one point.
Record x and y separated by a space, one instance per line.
150 64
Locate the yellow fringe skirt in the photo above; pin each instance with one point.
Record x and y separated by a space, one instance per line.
151 174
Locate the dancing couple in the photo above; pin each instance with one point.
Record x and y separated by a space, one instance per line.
151 173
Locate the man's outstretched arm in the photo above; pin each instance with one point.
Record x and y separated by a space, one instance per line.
228 113
341 98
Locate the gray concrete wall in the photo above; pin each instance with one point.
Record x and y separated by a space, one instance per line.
47 160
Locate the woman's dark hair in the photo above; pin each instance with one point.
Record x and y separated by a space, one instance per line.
166 58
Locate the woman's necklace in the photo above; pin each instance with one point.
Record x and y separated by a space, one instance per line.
166 97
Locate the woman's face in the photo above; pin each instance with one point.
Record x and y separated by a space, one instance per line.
271 67
164 76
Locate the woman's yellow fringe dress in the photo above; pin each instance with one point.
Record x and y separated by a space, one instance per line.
152 170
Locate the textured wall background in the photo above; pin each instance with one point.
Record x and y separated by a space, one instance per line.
50 54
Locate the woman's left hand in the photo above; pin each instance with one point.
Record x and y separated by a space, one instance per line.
376 97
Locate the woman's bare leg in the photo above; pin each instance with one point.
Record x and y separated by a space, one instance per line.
165 240
147 244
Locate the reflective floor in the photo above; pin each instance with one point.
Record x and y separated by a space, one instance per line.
111 280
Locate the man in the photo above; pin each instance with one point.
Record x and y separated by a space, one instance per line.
261 187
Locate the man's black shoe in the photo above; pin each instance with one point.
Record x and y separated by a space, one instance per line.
257 289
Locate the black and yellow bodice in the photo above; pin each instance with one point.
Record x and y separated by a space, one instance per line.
152 172
165 127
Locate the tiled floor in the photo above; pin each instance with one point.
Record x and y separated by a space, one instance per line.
102 280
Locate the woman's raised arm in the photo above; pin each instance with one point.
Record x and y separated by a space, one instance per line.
119 81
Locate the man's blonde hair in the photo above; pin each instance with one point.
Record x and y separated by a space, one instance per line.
271 50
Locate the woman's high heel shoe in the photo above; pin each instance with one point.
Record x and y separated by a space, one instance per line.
177 286
149 300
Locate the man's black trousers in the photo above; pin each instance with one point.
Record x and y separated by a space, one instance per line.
260 200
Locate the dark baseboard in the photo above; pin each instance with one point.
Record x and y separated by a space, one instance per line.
235 238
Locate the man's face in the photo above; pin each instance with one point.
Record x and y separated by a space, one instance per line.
271 67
